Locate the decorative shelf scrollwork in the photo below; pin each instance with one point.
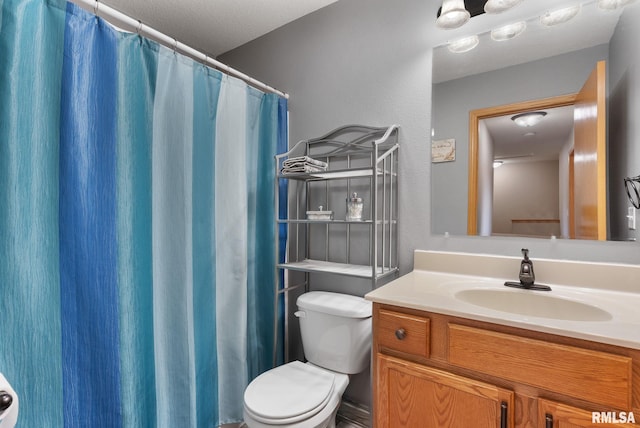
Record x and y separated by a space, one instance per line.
632 185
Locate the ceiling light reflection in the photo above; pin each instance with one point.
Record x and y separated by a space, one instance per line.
529 119
559 16
499 6
463 45
508 32
613 4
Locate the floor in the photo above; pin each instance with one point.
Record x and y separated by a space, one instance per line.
340 425
350 415
353 415
347 425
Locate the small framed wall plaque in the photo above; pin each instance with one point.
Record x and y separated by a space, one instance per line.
443 150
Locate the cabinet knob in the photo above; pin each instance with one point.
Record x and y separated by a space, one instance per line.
401 333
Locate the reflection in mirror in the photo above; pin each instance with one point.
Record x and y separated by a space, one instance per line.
580 188
527 175
536 65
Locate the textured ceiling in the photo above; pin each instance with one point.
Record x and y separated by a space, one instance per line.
216 26
512 143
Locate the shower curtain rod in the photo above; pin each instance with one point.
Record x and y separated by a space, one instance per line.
121 20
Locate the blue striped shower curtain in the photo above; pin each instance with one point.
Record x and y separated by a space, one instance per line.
137 237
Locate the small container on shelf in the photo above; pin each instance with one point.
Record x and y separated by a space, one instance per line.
354 208
320 214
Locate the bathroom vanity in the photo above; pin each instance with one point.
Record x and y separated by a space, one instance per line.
453 347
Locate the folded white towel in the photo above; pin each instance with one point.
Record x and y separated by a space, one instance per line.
304 160
303 164
296 169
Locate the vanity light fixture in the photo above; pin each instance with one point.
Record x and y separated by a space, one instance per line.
528 119
453 14
463 45
559 16
612 4
499 6
508 31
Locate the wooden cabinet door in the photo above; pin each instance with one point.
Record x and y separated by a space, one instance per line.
589 159
409 395
552 414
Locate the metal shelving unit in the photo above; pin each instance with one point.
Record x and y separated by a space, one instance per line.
359 159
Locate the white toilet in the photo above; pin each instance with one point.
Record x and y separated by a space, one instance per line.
9 406
336 337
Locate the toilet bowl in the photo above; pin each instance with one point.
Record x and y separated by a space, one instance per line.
336 338
295 395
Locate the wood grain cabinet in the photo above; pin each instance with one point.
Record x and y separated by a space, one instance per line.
552 414
438 371
413 395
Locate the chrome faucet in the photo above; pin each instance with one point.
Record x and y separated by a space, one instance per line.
526 275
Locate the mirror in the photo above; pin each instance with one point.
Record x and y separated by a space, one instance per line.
541 63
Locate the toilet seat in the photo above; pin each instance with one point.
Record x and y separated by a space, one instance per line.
289 393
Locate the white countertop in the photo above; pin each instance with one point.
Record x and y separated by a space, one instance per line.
437 289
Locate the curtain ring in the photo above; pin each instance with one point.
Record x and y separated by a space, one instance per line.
175 45
96 8
139 29
206 60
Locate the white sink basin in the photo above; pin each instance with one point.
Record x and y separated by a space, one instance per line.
532 303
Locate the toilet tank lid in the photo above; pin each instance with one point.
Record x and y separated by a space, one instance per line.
338 304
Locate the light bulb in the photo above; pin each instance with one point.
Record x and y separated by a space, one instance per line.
612 4
559 16
529 119
463 45
508 31
499 6
453 14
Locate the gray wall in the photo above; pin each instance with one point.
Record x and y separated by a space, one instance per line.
452 101
624 117
358 61
365 62
369 61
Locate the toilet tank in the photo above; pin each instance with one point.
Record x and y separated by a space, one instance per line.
336 330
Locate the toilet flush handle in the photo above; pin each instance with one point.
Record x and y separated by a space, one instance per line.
5 401
300 314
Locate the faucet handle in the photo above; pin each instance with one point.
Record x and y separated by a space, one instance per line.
527 277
